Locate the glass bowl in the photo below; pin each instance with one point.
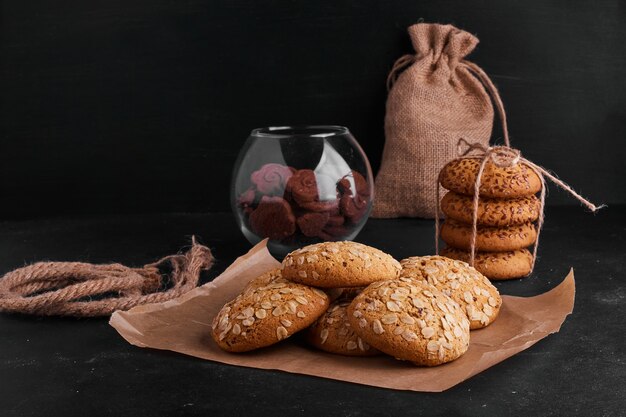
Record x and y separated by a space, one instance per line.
301 185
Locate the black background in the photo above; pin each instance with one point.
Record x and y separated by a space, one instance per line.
116 106
134 106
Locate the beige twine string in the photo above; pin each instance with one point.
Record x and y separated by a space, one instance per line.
61 288
495 96
503 157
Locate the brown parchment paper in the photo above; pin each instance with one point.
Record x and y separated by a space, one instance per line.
183 325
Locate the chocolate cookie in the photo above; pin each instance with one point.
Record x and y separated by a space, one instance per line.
468 287
360 184
459 235
354 207
354 201
266 312
496 182
336 220
303 186
339 264
491 211
333 233
311 224
410 320
333 333
330 207
273 218
497 265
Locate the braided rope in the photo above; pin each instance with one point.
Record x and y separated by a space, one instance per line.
66 288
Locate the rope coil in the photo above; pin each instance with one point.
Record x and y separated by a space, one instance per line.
66 288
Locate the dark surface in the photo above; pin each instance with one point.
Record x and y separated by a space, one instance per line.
142 105
76 367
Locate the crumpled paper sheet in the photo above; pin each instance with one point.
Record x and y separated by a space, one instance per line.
184 325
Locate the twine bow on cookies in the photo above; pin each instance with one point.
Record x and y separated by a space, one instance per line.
67 288
503 157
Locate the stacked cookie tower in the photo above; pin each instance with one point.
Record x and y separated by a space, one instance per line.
355 300
506 214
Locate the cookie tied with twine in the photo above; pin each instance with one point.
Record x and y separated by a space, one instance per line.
67 288
502 157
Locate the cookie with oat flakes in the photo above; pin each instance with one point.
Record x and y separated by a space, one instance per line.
333 333
339 264
262 280
495 212
518 180
498 239
410 320
496 265
269 310
478 298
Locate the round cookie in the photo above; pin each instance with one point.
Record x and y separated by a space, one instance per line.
491 212
410 320
496 265
506 238
273 218
496 182
339 264
262 280
333 333
265 314
464 284
303 186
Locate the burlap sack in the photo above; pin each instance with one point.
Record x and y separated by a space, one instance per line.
438 99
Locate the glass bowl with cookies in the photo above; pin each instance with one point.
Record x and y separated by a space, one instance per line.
301 185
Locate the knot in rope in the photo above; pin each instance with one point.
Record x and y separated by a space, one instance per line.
501 156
